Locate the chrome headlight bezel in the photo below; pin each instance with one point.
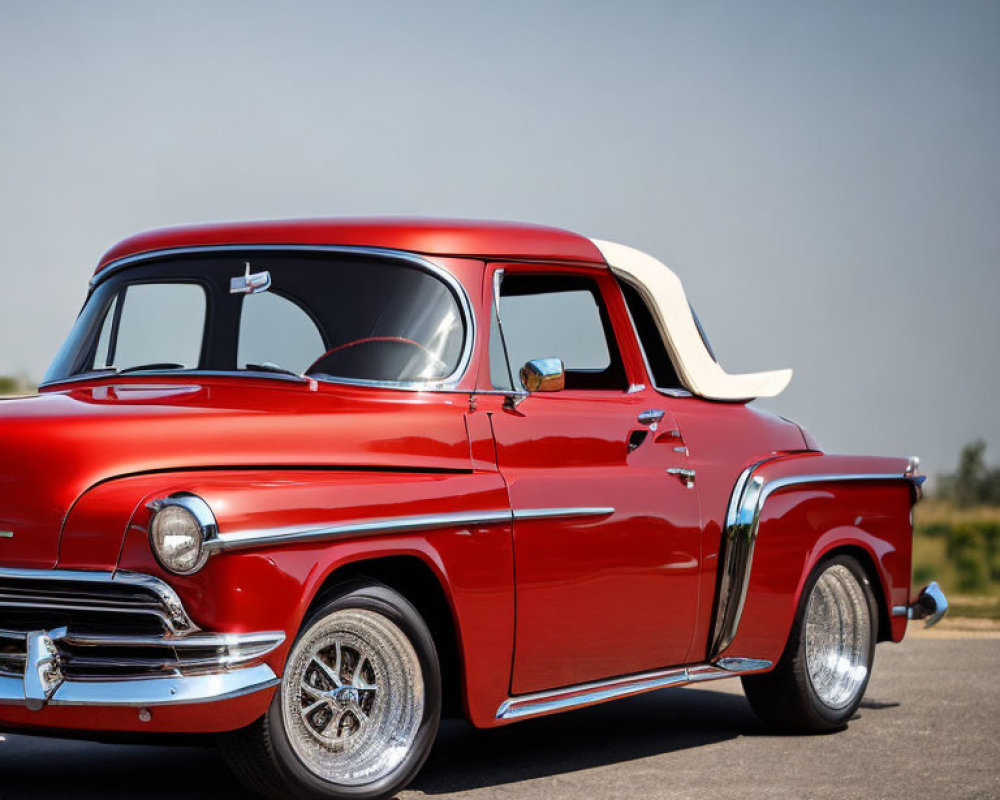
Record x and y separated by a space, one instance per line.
204 529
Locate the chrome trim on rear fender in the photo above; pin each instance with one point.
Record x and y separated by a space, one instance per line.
740 535
585 694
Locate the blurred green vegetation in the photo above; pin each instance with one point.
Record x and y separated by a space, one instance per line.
959 548
974 483
957 536
10 384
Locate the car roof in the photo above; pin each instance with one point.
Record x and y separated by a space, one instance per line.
492 240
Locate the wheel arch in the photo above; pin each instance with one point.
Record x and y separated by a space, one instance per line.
420 583
858 549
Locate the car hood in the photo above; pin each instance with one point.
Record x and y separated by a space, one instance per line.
57 445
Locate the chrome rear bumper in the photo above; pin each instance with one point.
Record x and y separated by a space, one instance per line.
931 605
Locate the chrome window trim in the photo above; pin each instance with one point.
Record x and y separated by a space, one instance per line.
413 259
585 694
240 540
739 537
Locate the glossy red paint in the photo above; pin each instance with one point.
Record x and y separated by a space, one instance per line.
802 524
492 240
535 603
225 715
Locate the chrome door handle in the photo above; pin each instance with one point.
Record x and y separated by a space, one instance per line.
687 475
651 417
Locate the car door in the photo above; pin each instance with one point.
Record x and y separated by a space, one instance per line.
607 542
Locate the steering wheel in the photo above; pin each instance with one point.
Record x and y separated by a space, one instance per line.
375 340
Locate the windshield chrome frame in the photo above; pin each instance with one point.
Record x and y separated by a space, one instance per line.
413 259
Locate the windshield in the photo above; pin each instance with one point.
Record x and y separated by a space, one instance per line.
328 315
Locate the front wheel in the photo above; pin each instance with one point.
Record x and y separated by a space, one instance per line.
821 678
358 706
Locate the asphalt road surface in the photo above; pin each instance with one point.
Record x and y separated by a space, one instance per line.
929 728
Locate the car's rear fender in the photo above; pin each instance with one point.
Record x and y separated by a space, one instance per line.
790 513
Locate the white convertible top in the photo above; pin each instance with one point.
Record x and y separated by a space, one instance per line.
661 289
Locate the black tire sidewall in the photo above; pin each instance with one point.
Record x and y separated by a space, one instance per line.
823 715
392 605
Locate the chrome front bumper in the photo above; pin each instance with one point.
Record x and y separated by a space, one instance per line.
141 693
73 638
229 673
931 605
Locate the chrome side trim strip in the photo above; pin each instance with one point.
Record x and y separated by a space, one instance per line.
149 692
175 615
413 259
551 513
239 540
585 694
740 535
377 527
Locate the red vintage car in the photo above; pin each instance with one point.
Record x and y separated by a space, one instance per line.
308 485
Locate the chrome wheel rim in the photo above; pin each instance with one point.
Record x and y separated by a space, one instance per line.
838 637
352 697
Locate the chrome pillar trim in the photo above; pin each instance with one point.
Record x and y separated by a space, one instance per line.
174 615
239 540
739 537
413 259
585 694
208 688
385 526
931 605
555 513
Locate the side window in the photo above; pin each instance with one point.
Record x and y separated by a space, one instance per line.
663 373
277 332
153 323
662 368
555 316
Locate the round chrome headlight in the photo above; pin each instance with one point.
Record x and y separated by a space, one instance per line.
180 526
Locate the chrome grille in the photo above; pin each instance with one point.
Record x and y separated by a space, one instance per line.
113 625
84 606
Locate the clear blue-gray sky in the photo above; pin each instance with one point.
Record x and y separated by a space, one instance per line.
825 177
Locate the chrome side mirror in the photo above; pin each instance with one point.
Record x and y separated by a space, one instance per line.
543 375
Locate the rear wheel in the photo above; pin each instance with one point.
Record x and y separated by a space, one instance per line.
821 678
358 706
